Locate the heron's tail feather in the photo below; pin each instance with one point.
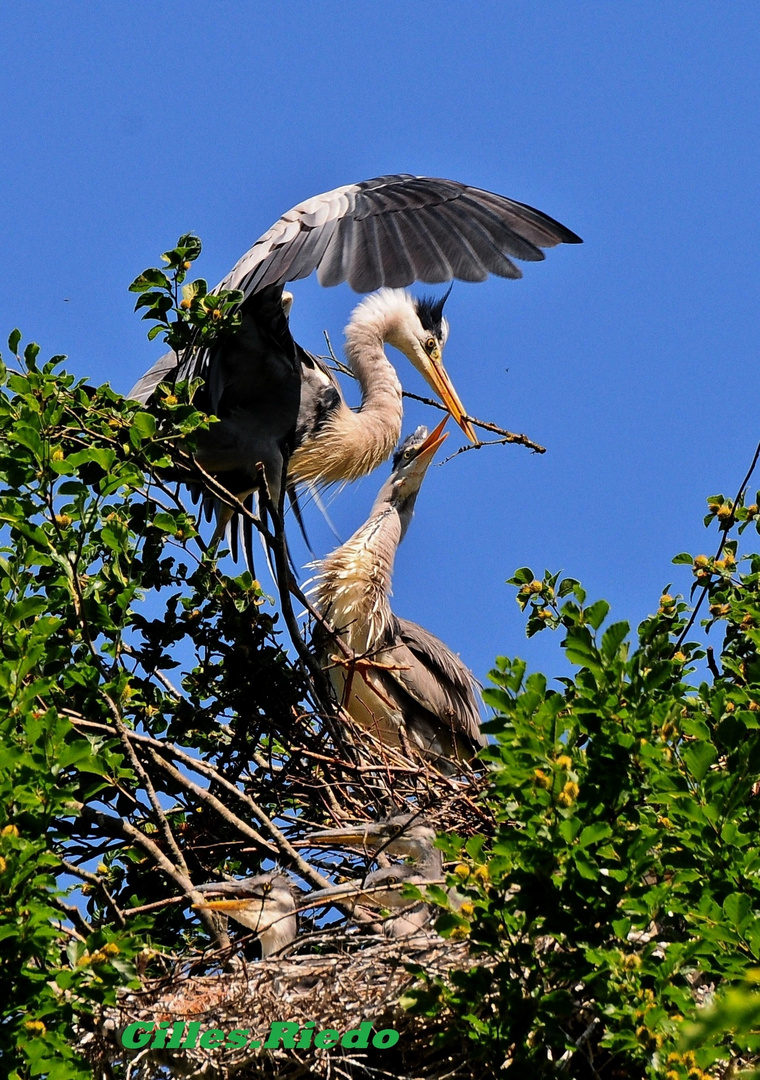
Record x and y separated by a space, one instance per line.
296 508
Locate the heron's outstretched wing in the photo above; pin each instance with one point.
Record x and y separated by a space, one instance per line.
395 230
164 370
434 678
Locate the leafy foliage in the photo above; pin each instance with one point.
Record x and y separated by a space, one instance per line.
622 887
90 529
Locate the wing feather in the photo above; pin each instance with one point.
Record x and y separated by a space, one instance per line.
443 229
437 680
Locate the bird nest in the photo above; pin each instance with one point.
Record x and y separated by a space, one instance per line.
360 981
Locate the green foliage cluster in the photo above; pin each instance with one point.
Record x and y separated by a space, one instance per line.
622 887
104 578
199 317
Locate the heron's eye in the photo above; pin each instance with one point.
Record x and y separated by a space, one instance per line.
393 881
408 455
430 344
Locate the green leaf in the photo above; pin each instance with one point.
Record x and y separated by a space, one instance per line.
699 756
580 650
149 279
592 834
596 613
14 340
683 559
737 907
613 638
145 424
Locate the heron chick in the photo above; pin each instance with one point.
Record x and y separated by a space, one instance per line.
399 679
408 836
263 904
382 890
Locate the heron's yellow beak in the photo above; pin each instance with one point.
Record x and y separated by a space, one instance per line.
432 442
228 905
439 379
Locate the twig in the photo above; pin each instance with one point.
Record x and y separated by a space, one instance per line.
118 827
163 822
98 882
724 538
284 847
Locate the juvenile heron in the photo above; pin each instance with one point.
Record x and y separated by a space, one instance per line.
408 836
400 678
382 890
263 904
277 404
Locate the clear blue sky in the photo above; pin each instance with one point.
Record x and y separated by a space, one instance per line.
632 358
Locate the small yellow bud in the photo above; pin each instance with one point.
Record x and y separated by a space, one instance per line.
216 314
542 780
459 932
679 657
754 707
752 510
544 614
724 512
9 830
700 561
62 520
714 507
186 264
467 909
169 399
35 1027
730 707
564 762
666 600
185 304
3 865
57 455
536 586
482 875
111 949
462 871
720 564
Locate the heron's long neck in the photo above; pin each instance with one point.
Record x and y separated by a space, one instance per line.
351 444
354 582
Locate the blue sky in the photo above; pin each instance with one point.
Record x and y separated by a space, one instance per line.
632 358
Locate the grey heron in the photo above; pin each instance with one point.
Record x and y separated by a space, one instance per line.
383 889
263 904
278 406
398 680
408 836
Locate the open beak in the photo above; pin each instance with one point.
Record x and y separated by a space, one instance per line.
426 452
439 379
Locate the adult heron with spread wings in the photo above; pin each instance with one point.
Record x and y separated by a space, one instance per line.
278 406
